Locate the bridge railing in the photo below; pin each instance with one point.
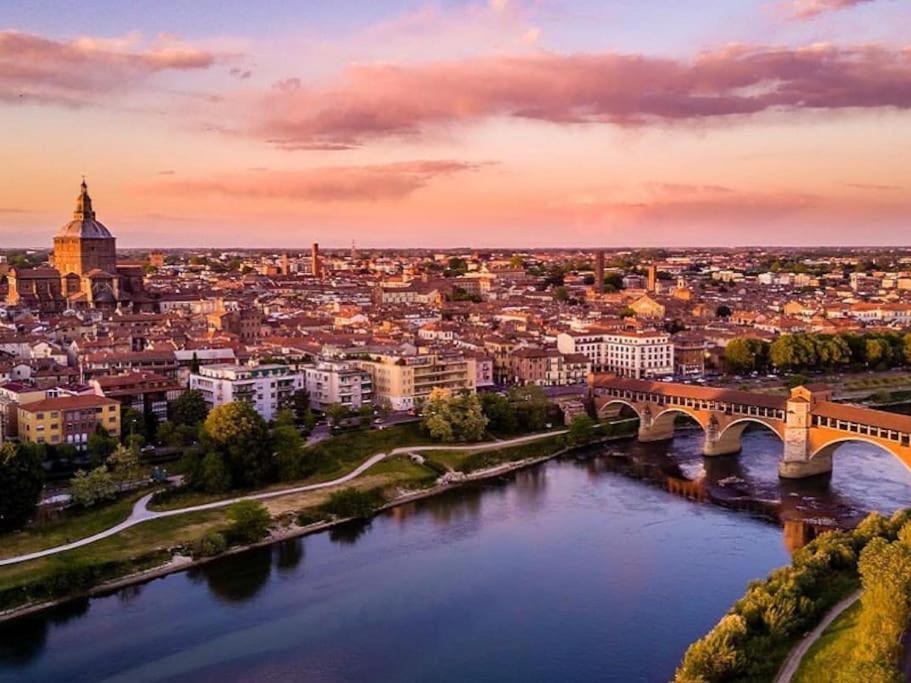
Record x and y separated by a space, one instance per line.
861 429
728 408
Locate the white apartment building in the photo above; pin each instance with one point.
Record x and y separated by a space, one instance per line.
629 354
263 386
336 381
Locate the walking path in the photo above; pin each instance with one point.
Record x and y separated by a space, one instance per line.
792 663
141 512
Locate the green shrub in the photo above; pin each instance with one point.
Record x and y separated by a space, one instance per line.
213 543
249 521
354 503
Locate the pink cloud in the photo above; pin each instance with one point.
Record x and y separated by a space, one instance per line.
368 183
808 9
34 68
398 100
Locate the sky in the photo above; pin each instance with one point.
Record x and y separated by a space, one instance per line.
484 123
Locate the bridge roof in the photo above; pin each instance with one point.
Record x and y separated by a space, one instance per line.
866 416
691 391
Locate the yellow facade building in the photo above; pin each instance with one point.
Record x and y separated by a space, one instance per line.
68 420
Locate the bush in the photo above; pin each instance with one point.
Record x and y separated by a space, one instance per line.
310 516
213 543
249 521
354 503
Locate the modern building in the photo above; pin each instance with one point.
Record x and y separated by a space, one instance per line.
265 387
13 395
404 382
68 420
630 354
337 381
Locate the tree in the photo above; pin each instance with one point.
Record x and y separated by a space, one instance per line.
93 487
190 408
336 412
101 444
743 354
213 474
453 418
249 521
723 311
132 422
581 430
299 403
500 413
561 294
289 446
516 261
194 364
531 407
879 353
238 432
125 465
21 481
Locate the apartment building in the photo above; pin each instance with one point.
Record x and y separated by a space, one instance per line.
265 387
335 381
403 382
68 419
630 354
547 367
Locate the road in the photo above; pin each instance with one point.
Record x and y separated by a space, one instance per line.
141 512
792 663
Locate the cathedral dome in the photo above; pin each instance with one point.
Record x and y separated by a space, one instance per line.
84 224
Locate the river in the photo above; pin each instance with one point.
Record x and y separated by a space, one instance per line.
579 569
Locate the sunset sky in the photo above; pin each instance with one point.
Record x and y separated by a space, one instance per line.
499 123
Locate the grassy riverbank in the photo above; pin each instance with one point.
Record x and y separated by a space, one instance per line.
833 651
71 526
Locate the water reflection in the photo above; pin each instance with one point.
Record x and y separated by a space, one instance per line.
23 640
288 555
349 532
864 479
237 582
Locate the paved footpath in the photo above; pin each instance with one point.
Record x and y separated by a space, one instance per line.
792 663
141 512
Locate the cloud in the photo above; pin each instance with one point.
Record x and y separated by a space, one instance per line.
809 9
371 101
369 183
78 72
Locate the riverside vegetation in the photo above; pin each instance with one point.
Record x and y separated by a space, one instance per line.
750 643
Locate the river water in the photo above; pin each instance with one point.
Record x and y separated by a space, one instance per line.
581 569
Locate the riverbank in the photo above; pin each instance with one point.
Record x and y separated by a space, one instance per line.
179 562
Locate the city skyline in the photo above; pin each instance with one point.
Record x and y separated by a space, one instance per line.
485 124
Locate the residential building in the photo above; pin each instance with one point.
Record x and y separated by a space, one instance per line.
68 419
336 381
403 382
631 354
265 387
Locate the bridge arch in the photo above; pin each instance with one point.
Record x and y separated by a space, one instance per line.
740 424
826 450
618 401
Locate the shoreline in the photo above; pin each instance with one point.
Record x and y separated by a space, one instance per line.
180 563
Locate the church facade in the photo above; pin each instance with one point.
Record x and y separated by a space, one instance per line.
84 272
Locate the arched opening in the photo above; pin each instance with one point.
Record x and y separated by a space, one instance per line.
868 475
617 409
